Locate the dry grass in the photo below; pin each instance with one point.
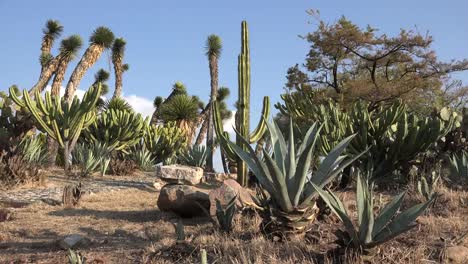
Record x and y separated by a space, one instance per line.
126 227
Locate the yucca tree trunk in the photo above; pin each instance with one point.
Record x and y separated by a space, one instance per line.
118 70
213 63
203 121
202 133
59 77
45 76
89 58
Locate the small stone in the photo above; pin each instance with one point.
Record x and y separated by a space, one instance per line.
73 241
180 174
457 254
184 200
157 185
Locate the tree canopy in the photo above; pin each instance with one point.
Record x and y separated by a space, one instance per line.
348 63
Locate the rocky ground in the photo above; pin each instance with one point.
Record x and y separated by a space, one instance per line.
118 221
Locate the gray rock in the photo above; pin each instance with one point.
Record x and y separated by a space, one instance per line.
184 200
73 241
457 254
180 174
228 190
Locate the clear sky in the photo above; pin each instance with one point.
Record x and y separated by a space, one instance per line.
165 39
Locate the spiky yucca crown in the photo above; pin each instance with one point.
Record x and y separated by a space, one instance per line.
71 45
52 29
180 107
118 48
102 36
101 76
213 46
118 103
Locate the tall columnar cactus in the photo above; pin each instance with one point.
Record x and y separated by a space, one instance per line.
243 111
61 120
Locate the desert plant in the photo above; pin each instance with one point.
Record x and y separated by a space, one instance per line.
60 119
92 157
118 129
101 39
183 110
33 149
68 51
427 186
164 142
458 165
371 230
74 257
142 158
287 176
243 112
118 51
213 52
225 216
117 103
195 156
179 231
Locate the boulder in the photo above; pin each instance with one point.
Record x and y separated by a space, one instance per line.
73 241
457 254
180 174
184 200
226 192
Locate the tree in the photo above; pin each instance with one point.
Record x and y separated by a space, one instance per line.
213 52
52 31
177 88
350 63
182 109
68 51
49 63
101 39
118 50
101 77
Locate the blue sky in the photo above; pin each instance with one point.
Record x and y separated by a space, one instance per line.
166 38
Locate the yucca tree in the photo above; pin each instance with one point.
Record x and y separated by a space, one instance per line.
183 110
118 51
101 77
100 40
177 88
213 52
68 51
52 31
287 176
49 63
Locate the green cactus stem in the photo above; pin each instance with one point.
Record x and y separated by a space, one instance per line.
243 111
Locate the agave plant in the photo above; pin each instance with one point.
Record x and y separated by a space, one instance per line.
226 215
287 176
195 156
459 166
372 230
143 158
426 188
33 150
91 157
